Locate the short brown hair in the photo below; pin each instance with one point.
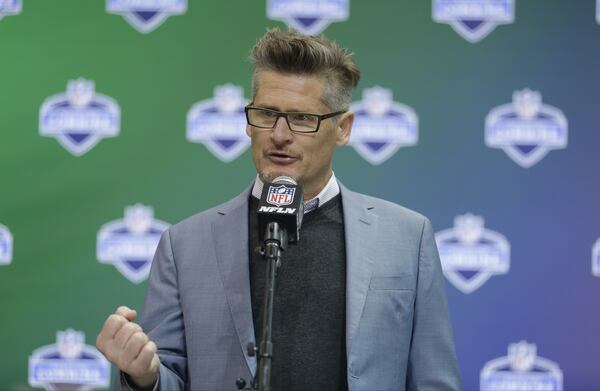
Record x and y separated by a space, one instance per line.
292 53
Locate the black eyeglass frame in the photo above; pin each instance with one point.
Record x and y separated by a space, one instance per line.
284 114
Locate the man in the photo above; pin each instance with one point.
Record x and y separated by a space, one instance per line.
360 300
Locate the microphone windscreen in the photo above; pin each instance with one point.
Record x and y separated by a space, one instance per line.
281 201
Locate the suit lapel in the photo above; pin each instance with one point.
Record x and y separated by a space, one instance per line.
360 227
230 235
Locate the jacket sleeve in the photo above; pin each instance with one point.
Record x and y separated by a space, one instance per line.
162 318
432 360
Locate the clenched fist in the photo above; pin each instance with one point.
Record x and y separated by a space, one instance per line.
125 344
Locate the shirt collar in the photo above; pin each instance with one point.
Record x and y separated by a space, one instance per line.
330 190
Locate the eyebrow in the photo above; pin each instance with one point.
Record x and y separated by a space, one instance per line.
274 108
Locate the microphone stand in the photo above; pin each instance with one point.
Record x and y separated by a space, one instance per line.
275 242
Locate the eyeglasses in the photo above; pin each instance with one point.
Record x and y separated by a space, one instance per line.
297 122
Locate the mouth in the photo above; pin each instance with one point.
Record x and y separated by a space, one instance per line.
281 157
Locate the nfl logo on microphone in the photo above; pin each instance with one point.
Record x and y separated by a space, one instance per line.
280 195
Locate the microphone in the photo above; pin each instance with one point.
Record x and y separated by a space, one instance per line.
281 201
280 212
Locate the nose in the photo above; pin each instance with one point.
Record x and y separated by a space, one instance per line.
281 133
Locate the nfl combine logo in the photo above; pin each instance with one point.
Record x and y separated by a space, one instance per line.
6 245
526 129
130 243
473 19
69 364
522 369
470 254
10 7
309 17
219 123
280 195
596 259
382 126
80 118
146 15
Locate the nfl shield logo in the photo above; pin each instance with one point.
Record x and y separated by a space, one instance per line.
80 118
521 369
69 364
526 129
596 259
309 17
470 254
146 15
6 245
280 195
130 243
10 7
473 19
220 123
382 126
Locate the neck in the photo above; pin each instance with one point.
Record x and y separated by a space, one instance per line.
311 192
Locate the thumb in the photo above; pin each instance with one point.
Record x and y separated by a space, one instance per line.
127 313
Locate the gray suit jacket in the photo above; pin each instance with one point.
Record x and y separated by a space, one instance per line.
398 333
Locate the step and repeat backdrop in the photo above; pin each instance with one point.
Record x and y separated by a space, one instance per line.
121 117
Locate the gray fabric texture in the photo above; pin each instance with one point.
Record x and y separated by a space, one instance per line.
398 331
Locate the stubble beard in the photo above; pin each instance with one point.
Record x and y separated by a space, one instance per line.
270 176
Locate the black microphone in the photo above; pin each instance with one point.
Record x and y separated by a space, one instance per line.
281 201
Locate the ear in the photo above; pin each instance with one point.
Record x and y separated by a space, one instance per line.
344 128
248 131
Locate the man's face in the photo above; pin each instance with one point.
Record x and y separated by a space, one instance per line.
305 157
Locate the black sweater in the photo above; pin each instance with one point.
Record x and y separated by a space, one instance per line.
309 307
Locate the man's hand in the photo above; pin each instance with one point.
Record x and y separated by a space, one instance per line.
124 343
